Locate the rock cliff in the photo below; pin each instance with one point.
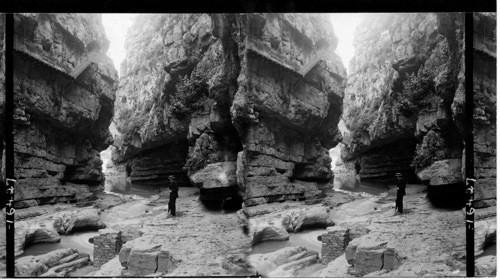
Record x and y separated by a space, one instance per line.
249 103
403 103
64 88
484 122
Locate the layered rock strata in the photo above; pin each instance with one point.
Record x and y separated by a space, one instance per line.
484 118
403 103
286 262
64 89
58 263
258 95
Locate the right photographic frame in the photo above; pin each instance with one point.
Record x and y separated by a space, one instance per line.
395 203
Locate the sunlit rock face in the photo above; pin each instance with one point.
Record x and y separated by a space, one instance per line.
403 102
60 124
484 122
191 84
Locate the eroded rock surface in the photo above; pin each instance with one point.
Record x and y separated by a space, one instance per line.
275 222
286 262
403 105
197 242
196 89
485 100
61 113
58 263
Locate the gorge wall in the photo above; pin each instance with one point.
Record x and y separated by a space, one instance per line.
64 90
220 102
403 104
484 118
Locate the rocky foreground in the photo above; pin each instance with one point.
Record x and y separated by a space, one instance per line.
197 242
134 236
368 239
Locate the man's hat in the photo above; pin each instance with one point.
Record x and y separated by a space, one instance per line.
399 174
171 177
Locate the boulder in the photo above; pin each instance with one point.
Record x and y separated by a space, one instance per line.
215 175
109 269
142 259
486 266
485 231
77 220
442 172
316 216
275 225
34 266
262 230
31 232
367 255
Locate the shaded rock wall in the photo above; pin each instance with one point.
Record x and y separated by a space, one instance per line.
163 109
484 123
60 123
191 85
403 103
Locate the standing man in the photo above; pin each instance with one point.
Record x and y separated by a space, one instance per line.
174 194
401 184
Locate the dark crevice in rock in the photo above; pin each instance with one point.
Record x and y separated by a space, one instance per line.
451 196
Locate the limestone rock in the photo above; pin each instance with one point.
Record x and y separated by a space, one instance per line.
31 232
398 105
186 104
285 262
369 255
144 259
442 172
486 266
60 259
310 217
83 219
484 117
264 230
215 175
265 224
485 231
57 150
111 268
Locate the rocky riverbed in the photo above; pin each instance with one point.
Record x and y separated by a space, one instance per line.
198 241
424 241
45 246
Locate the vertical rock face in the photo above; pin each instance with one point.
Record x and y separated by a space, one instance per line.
404 98
484 123
286 121
169 72
64 89
199 92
